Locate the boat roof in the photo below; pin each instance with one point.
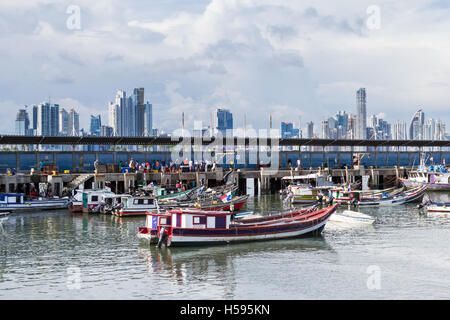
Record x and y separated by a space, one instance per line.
306 176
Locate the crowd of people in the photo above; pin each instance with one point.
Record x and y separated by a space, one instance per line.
169 166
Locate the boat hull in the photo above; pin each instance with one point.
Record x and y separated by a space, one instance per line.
431 186
34 205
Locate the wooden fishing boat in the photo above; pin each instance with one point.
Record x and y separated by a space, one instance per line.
182 195
17 202
191 227
349 196
410 196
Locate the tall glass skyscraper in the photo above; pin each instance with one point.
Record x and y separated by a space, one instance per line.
361 114
148 119
416 126
22 123
224 121
48 119
96 123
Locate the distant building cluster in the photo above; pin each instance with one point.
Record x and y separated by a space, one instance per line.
360 126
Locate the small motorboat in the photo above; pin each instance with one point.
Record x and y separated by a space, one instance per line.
352 217
436 207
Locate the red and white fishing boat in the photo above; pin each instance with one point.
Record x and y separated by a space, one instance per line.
195 227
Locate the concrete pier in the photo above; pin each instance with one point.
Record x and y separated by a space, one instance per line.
268 180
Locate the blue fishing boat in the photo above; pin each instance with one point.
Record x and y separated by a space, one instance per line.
18 202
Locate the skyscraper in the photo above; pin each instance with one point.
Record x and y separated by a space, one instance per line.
137 125
310 130
96 123
416 126
74 123
148 119
22 123
48 119
288 130
63 122
224 121
361 114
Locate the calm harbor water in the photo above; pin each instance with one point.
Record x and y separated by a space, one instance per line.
57 255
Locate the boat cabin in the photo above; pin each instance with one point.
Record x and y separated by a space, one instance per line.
7 198
190 219
92 198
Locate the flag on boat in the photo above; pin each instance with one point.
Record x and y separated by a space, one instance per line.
226 197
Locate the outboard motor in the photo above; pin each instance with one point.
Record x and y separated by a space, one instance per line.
163 237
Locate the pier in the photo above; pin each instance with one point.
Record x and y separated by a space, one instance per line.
257 161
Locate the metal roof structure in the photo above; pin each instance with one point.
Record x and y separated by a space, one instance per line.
94 140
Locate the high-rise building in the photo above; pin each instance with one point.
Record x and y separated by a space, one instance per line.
48 119
288 130
325 129
148 119
310 130
138 123
74 123
361 120
22 123
96 123
63 122
416 126
223 121
35 117
106 131
400 132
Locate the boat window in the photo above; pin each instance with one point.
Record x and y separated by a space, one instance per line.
94 198
11 199
199 220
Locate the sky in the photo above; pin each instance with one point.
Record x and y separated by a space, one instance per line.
294 60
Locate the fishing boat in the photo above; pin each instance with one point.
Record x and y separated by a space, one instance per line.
344 195
437 207
136 206
18 202
410 196
352 217
437 177
224 203
199 227
182 195
91 199
308 188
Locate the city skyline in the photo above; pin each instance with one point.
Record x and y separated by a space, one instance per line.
287 58
127 116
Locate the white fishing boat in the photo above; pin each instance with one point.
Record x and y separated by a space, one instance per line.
352 217
307 188
438 207
436 176
18 202
136 206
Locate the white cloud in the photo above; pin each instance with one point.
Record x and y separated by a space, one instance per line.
254 57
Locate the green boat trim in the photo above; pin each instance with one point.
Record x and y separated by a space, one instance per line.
177 194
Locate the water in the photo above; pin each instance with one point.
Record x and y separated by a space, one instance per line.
57 255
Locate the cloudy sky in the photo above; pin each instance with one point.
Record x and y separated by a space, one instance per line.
256 57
